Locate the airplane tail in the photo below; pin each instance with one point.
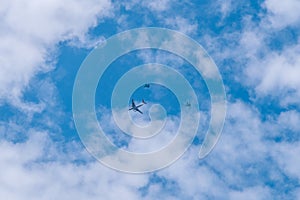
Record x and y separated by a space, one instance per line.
144 102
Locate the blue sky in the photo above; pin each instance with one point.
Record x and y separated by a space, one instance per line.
255 46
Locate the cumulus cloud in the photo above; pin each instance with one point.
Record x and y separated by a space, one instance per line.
286 155
238 167
36 169
242 165
277 75
31 30
283 13
272 72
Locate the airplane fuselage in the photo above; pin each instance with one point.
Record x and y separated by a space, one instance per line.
135 108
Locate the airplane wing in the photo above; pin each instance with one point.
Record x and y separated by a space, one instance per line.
132 103
139 110
139 105
143 103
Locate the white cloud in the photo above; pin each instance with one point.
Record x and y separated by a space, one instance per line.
276 75
266 71
241 165
289 120
238 167
297 193
287 159
251 42
254 193
272 73
195 180
234 169
29 32
283 13
225 7
37 170
157 5
186 26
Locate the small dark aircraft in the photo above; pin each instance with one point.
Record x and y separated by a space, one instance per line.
136 107
188 104
147 85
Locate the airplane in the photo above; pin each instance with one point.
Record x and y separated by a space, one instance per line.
188 104
136 107
147 85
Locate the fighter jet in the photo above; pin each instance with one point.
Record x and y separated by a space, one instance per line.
136 107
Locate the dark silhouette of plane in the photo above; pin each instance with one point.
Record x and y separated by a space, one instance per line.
147 85
136 107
